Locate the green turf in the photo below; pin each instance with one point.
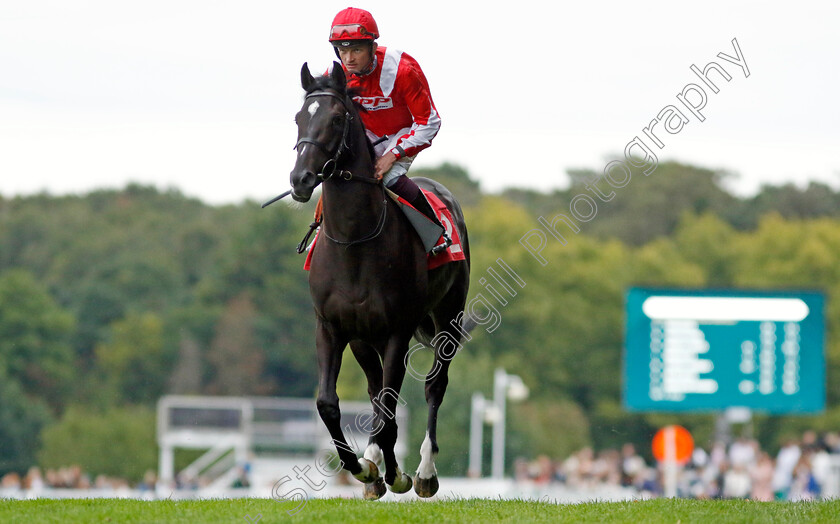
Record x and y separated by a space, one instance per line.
473 510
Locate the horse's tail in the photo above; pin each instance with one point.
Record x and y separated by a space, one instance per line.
426 330
468 323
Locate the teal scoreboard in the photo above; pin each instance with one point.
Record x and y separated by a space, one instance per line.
711 350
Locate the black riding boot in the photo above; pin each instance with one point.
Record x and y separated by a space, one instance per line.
420 203
411 192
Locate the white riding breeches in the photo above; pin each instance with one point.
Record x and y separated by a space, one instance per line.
401 166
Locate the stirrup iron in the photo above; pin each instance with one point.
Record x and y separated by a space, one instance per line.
440 248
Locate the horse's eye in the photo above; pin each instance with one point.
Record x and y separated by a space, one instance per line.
338 121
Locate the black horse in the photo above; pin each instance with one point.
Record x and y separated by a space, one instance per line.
370 284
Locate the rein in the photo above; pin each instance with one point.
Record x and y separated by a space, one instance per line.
373 234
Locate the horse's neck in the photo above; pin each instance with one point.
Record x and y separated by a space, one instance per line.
352 209
349 206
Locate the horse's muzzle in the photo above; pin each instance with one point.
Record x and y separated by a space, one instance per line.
303 183
301 198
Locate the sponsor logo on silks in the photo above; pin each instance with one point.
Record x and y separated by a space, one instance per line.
375 103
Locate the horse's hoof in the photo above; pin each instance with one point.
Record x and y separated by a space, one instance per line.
369 472
374 490
426 487
401 484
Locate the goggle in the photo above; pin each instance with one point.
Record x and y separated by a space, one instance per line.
349 30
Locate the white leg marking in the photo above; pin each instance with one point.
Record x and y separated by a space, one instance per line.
401 483
365 473
426 469
374 454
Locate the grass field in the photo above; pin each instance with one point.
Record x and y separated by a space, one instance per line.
473 510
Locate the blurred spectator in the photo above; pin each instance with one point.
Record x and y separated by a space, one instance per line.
810 442
185 481
803 486
742 452
632 465
33 481
831 440
51 478
786 461
10 481
821 464
585 466
242 480
520 470
650 485
736 482
717 457
606 469
699 458
570 469
149 481
102 482
762 478
544 470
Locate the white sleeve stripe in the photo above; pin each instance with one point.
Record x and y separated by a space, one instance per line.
420 135
390 65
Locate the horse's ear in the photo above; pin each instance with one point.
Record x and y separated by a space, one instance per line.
306 79
337 75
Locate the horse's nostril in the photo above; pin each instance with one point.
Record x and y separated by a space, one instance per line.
305 178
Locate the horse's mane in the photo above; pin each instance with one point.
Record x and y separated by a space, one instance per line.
325 82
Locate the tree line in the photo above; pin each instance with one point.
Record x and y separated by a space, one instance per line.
111 299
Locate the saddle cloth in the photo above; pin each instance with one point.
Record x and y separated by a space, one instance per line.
453 253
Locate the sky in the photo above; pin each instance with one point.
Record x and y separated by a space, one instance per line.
200 95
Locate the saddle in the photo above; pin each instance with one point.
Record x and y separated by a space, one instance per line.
428 231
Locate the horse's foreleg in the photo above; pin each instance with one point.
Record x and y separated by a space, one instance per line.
368 359
389 397
329 352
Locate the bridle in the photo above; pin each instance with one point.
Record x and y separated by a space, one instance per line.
330 168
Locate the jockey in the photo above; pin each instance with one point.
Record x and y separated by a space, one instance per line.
400 114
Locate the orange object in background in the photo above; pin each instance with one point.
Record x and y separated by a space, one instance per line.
673 443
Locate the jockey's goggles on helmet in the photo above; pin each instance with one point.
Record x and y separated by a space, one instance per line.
344 32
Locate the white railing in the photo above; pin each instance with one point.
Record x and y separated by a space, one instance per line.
249 426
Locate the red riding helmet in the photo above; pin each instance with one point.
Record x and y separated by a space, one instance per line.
353 26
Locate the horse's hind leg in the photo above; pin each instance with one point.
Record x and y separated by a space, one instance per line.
446 343
426 480
329 352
